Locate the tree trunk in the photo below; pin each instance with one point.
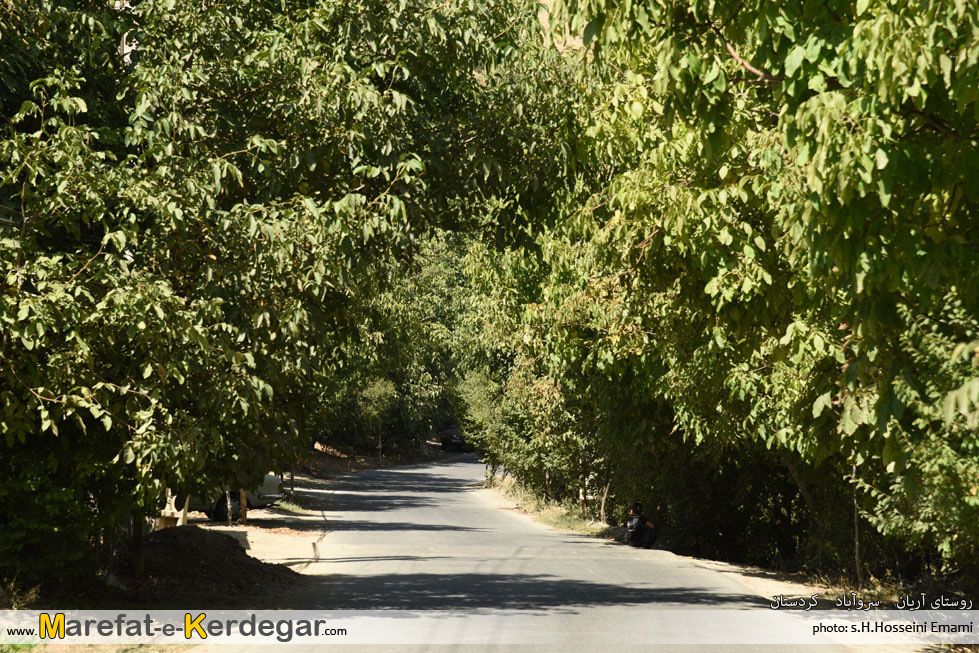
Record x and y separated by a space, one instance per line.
601 511
227 502
137 549
380 456
803 488
583 500
243 497
856 531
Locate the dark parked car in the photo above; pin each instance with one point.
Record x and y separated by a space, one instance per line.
452 440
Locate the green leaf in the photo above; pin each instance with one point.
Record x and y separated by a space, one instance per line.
824 401
794 60
884 192
590 30
881 158
852 416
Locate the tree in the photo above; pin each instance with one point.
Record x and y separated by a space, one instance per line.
751 253
191 237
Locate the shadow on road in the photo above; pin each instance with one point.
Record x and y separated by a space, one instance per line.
356 525
381 489
515 591
373 502
401 481
320 526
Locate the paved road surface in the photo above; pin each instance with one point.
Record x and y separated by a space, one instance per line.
430 538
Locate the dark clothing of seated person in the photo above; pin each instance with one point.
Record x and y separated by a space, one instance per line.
639 531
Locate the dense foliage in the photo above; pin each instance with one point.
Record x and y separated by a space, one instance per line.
201 208
775 245
721 259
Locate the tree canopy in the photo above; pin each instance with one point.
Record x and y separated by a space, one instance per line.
773 243
692 253
200 204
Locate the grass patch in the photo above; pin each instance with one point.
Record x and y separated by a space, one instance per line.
18 597
294 506
553 514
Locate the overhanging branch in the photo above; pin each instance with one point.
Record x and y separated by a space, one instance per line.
760 74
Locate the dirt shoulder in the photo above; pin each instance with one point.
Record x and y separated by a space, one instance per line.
257 564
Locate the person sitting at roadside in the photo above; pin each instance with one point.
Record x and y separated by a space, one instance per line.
639 531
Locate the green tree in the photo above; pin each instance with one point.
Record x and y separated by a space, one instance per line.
192 234
767 247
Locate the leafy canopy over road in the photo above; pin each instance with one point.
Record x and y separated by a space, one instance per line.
200 204
721 258
763 306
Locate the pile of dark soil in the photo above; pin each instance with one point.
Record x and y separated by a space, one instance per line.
184 567
188 560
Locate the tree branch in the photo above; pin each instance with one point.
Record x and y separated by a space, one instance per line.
87 263
761 74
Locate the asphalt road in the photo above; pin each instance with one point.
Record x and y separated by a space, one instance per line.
429 538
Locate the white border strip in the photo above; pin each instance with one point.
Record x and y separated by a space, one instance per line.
612 626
